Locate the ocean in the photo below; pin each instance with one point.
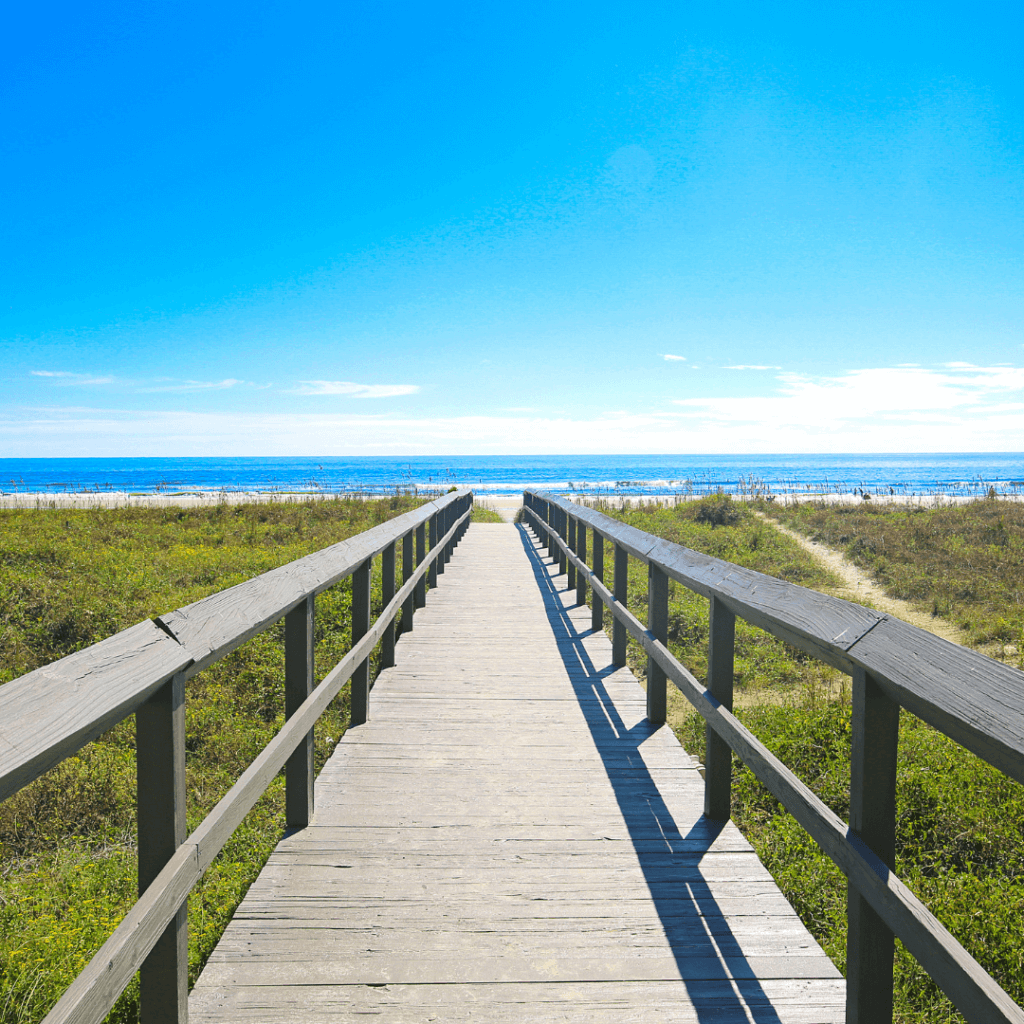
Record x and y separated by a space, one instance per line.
953 474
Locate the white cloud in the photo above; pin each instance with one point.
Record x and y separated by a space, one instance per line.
751 367
669 358
66 378
166 384
958 407
886 409
346 387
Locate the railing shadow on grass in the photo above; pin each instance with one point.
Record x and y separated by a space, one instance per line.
698 932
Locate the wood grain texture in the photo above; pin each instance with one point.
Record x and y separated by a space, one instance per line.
216 625
967 984
50 713
507 839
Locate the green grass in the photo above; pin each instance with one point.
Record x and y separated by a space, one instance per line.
959 821
962 562
485 515
67 841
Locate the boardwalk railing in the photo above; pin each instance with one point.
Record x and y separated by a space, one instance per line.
974 700
50 713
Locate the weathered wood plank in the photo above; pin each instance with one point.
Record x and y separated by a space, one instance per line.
50 713
216 625
509 823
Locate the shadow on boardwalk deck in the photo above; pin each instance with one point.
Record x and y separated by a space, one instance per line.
508 840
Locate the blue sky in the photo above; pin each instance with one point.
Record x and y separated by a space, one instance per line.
396 228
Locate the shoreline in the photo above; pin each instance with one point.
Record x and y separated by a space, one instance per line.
205 499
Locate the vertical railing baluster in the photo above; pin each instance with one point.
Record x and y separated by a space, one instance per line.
160 783
360 685
570 569
562 533
597 605
718 758
439 521
621 591
421 553
408 568
434 569
387 593
657 623
581 554
298 685
869 943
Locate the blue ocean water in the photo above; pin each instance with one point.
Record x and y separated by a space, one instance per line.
509 474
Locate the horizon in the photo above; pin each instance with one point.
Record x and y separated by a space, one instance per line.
409 232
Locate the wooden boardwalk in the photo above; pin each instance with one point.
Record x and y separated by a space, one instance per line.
507 839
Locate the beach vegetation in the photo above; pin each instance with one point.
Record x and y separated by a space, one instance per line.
71 577
960 821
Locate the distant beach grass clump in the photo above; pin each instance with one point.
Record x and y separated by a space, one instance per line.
960 822
67 841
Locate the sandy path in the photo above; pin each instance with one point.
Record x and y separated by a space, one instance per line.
859 587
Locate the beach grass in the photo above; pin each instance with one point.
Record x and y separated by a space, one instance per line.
960 822
71 577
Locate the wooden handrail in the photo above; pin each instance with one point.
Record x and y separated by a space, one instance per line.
50 713
971 698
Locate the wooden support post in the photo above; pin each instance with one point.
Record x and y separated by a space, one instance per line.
657 623
570 569
360 687
434 568
581 554
562 527
439 521
408 567
621 592
298 685
718 759
597 605
160 781
387 592
869 943
421 553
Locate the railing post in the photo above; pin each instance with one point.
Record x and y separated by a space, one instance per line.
570 569
439 522
421 553
434 568
597 605
160 781
387 592
869 943
718 758
621 592
408 567
657 623
562 527
581 554
360 685
298 685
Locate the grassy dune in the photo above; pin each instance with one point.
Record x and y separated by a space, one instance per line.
67 842
959 822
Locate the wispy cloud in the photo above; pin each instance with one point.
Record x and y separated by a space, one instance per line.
669 358
68 379
171 385
353 390
882 409
955 407
167 384
743 366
